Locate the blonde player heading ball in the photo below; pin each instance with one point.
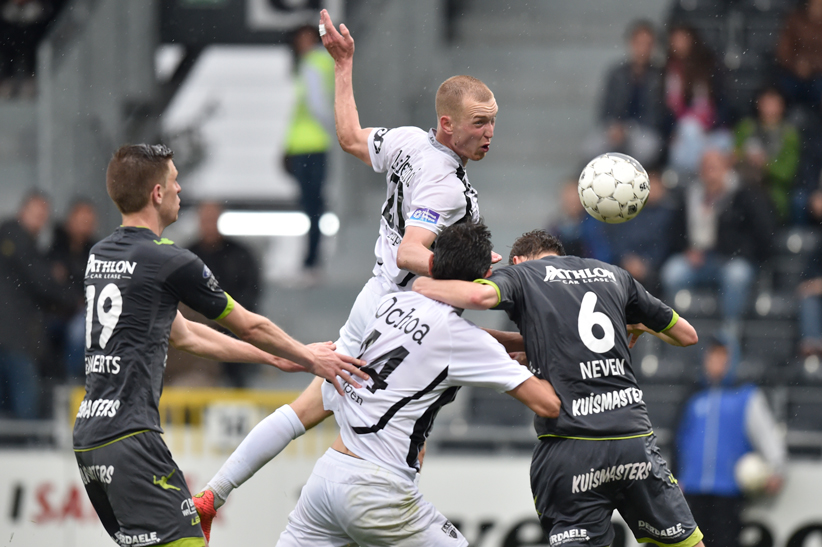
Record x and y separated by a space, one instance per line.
427 189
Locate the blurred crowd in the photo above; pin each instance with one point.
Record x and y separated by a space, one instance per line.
735 168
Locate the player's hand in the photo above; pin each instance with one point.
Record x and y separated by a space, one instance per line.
339 44
329 365
519 357
635 331
495 257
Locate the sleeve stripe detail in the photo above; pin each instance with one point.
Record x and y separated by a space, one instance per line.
674 319
228 307
492 284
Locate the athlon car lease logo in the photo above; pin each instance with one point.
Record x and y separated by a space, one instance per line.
626 472
108 268
670 532
569 536
425 215
586 276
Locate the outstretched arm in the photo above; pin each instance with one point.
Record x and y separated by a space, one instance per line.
317 359
461 294
511 341
203 341
538 395
681 334
353 138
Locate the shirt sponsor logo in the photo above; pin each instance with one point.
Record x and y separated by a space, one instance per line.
587 275
603 402
449 529
635 471
212 283
137 540
108 364
425 215
400 320
105 408
108 269
670 532
602 367
568 536
99 473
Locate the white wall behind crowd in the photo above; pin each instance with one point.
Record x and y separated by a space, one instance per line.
43 502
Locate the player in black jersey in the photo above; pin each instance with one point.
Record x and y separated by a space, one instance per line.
579 318
134 281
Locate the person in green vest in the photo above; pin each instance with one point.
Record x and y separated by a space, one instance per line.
311 131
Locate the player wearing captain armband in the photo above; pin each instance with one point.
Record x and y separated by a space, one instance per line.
134 280
427 190
419 353
578 318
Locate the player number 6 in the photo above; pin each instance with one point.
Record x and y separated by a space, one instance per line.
587 319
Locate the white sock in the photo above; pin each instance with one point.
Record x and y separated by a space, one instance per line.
261 445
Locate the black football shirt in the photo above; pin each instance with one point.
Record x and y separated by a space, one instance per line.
134 281
572 313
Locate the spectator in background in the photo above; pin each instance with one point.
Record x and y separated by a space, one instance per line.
236 269
642 245
799 55
694 97
311 134
722 233
580 233
27 288
722 423
767 151
810 303
22 23
631 110
69 252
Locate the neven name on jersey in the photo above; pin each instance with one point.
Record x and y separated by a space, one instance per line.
396 317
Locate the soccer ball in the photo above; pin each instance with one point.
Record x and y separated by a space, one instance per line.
613 188
752 473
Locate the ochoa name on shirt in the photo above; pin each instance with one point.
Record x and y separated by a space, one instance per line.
401 320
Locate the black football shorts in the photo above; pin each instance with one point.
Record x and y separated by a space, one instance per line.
139 493
578 483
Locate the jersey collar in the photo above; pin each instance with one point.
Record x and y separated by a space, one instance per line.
432 138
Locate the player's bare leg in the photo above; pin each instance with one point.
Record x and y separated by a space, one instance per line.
261 445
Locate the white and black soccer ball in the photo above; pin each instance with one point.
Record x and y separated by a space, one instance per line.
613 188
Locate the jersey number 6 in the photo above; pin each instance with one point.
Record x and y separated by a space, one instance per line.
587 319
108 318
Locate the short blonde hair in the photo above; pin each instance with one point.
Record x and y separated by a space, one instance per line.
452 93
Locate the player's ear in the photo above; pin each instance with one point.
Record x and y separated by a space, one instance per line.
445 124
488 273
430 264
157 193
518 260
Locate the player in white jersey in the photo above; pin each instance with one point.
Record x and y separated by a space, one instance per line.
419 352
427 190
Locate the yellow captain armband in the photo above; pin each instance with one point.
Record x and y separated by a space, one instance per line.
674 319
490 284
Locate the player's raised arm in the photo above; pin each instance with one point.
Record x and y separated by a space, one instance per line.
461 294
352 137
318 359
203 341
538 395
681 334
413 253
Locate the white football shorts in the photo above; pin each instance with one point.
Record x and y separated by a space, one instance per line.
353 332
348 501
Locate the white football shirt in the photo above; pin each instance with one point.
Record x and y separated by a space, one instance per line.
419 352
426 187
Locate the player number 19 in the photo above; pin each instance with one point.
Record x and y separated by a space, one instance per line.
108 319
587 319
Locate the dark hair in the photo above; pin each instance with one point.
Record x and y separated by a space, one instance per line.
462 251
132 173
535 243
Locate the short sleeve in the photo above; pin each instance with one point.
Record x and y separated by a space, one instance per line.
509 289
196 287
642 307
437 204
480 361
379 148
